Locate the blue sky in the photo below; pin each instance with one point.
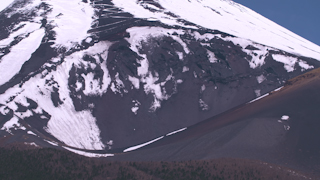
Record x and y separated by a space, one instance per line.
299 16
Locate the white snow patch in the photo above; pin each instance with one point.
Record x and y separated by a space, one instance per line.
135 107
78 86
151 86
195 74
289 62
203 87
156 104
144 67
257 92
177 131
19 54
305 66
4 110
185 69
32 133
278 89
180 54
179 81
258 56
135 110
87 154
89 40
205 37
142 145
285 118
23 115
12 123
212 57
259 98
31 144
135 82
52 143
117 85
261 78
92 86
74 128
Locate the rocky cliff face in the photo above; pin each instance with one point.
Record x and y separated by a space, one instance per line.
101 77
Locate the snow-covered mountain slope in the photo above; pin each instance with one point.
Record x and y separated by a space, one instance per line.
223 15
5 4
109 74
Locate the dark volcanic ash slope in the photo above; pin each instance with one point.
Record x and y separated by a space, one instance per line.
104 76
281 128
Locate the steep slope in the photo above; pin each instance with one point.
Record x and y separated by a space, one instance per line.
102 75
281 128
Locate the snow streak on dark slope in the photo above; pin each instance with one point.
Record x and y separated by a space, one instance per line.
109 74
282 128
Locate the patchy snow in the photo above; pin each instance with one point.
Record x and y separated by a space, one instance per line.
156 104
87 154
142 145
203 105
4 110
286 127
289 62
258 56
285 118
27 28
12 123
195 74
31 144
20 53
304 66
135 107
177 131
135 82
92 85
212 57
74 128
261 78
117 85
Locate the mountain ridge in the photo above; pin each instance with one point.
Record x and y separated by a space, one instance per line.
123 78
